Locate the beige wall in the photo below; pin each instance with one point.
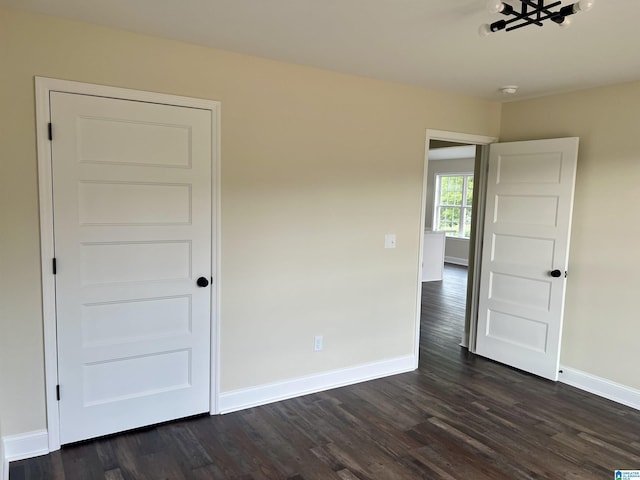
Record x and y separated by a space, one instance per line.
454 247
316 167
601 329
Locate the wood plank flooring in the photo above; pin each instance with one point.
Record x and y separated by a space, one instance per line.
458 417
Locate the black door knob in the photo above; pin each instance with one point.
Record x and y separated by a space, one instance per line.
556 273
202 282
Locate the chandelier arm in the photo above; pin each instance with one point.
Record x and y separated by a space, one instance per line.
528 16
524 24
538 9
525 18
530 21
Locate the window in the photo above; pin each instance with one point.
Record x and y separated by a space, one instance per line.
454 198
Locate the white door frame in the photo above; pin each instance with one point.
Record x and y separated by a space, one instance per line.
457 137
43 86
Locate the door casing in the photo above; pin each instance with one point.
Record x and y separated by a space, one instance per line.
43 87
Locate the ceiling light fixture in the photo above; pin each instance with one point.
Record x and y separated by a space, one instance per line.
509 89
532 12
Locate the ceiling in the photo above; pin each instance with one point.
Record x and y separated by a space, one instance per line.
452 153
428 43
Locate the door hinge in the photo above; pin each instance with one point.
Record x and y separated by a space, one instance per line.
50 131
54 265
58 392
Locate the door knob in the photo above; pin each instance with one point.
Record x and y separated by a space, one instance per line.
202 282
555 273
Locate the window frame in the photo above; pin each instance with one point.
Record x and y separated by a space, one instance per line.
463 207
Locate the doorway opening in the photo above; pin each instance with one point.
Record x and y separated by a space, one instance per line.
515 302
450 194
453 196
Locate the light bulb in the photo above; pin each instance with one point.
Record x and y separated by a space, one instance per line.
484 30
583 6
495 6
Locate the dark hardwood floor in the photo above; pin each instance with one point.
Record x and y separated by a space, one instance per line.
457 417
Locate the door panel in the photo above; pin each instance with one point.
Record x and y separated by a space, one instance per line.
132 231
109 203
526 236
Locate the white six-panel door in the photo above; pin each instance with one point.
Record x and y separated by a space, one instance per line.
526 238
132 231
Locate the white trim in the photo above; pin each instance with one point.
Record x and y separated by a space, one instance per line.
423 218
274 392
452 153
4 463
458 137
93 89
25 445
457 261
216 199
481 173
45 189
43 87
450 137
600 386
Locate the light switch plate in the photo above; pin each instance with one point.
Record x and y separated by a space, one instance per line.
390 240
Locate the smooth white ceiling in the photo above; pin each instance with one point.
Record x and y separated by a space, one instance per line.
452 153
429 43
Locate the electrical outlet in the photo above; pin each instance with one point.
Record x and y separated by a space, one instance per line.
317 343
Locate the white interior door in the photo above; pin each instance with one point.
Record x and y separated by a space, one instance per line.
132 231
525 253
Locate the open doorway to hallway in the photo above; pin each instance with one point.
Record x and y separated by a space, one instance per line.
448 228
475 214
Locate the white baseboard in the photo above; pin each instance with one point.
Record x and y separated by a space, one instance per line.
601 386
25 445
274 392
33 444
457 261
